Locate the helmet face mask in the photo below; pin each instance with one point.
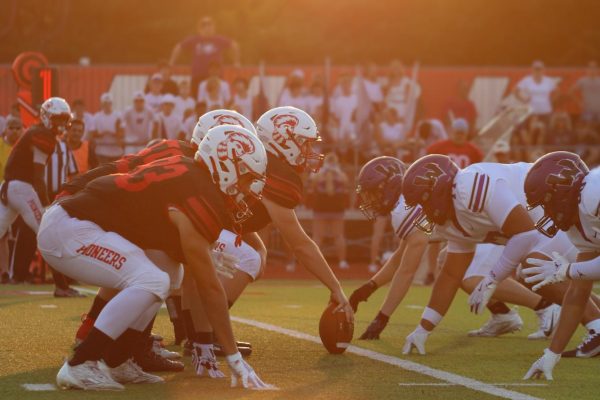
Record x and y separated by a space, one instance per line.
379 186
370 203
554 183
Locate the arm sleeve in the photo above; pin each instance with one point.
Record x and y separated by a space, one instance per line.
517 248
585 270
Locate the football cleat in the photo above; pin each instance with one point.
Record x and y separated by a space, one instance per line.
499 324
68 292
160 350
129 372
149 361
86 376
590 347
548 318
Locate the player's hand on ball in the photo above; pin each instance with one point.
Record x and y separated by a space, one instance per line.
205 361
546 272
242 371
543 366
343 304
416 340
225 264
480 297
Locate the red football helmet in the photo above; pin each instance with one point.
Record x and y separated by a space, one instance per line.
428 183
554 182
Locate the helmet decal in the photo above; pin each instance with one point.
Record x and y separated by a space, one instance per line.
235 145
567 175
227 119
433 173
284 126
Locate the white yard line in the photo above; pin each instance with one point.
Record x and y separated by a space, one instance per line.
38 387
442 384
447 377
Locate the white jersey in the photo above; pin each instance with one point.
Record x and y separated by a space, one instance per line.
403 219
587 239
484 195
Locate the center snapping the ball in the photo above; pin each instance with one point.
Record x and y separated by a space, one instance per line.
335 332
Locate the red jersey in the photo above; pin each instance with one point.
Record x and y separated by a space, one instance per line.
463 155
135 205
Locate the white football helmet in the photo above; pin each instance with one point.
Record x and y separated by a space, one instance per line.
290 132
55 114
231 152
216 118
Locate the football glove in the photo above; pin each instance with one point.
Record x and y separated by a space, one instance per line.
225 264
481 295
240 369
543 366
416 340
362 294
205 361
546 272
375 327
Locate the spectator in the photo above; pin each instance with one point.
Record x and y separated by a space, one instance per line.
528 137
154 95
139 124
461 106
589 86
169 85
2 124
11 133
191 121
560 130
213 99
372 87
587 143
398 90
242 101
458 148
224 89
206 47
390 133
314 100
80 113
293 93
107 133
82 151
501 152
329 189
169 124
184 103
427 132
537 90
343 111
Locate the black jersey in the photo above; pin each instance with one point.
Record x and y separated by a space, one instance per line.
160 150
19 166
135 205
283 187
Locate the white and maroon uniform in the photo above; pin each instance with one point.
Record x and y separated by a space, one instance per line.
585 238
484 194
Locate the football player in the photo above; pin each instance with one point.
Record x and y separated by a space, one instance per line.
379 188
483 203
569 194
160 149
288 134
23 191
175 205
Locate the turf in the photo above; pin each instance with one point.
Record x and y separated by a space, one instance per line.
37 336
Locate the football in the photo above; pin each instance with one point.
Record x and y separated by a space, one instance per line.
335 332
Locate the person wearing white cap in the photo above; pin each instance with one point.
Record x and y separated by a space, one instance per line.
501 151
108 132
139 124
537 90
458 148
170 125
154 95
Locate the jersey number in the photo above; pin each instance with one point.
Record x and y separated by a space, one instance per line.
151 173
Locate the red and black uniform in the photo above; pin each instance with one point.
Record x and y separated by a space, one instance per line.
19 166
160 150
283 187
135 205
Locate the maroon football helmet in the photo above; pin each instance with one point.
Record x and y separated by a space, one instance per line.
428 183
554 182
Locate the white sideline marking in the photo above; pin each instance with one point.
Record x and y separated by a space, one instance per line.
292 306
48 306
38 387
398 362
37 292
414 307
454 384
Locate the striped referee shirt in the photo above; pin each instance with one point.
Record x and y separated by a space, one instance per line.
59 168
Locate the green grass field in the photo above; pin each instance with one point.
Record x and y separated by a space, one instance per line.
37 330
